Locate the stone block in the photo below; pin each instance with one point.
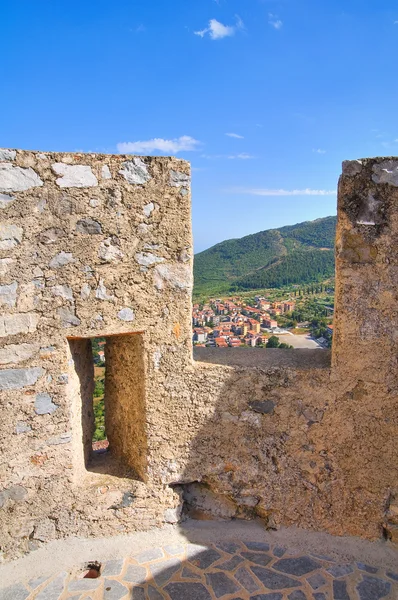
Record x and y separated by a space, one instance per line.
17 179
79 176
135 171
15 353
44 404
14 379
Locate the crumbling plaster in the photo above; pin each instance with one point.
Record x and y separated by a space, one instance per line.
96 245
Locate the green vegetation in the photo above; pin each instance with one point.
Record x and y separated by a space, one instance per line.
97 344
273 342
297 254
99 418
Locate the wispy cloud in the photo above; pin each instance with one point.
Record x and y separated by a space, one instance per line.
241 156
319 151
281 192
184 143
218 31
235 135
274 21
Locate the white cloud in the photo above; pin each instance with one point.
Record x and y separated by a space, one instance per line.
184 143
218 31
235 135
241 156
319 151
274 21
282 192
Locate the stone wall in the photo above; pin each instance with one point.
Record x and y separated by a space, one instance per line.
101 245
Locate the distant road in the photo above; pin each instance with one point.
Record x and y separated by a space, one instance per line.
298 341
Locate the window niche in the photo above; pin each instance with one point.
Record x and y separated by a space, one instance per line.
118 360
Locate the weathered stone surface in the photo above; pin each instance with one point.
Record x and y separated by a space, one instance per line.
17 179
178 276
340 590
10 236
79 176
53 590
372 588
367 568
13 379
45 530
202 559
297 566
231 564
179 179
68 317
258 558
126 314
257 546
5 265
221 584
148 209
105 172
297 595
63 291
229 547
316 581
149 555
135 171
8 294
265 408
135 574
44 404
83 585
37 581
279 551
352 167
14 592
102 293
112 567
183 591
18 323
5 200
243 576
64 438
22 427
274 581
153 593
88 226
147 259
109 252
386 172
163 571
392 575
51 235
61 259
85 291
6 154
113 590
340 570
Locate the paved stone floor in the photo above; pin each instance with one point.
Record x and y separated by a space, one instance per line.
228 570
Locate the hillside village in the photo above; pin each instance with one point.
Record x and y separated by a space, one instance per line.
234 322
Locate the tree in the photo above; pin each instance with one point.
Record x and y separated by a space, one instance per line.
285 346
273 342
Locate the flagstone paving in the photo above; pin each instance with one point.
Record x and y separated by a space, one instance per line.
229 570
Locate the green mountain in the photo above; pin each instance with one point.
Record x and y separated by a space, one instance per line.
295 254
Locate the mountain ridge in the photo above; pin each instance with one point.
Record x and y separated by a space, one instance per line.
300 253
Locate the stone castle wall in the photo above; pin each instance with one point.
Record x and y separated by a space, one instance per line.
97 245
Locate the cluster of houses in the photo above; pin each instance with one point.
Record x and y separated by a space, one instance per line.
230 322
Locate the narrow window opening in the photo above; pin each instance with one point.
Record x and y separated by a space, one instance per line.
100 440
107 385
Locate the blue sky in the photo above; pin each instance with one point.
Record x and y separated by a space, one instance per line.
301 85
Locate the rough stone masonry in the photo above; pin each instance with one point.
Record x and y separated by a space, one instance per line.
100 245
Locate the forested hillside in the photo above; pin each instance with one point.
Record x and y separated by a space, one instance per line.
301 253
